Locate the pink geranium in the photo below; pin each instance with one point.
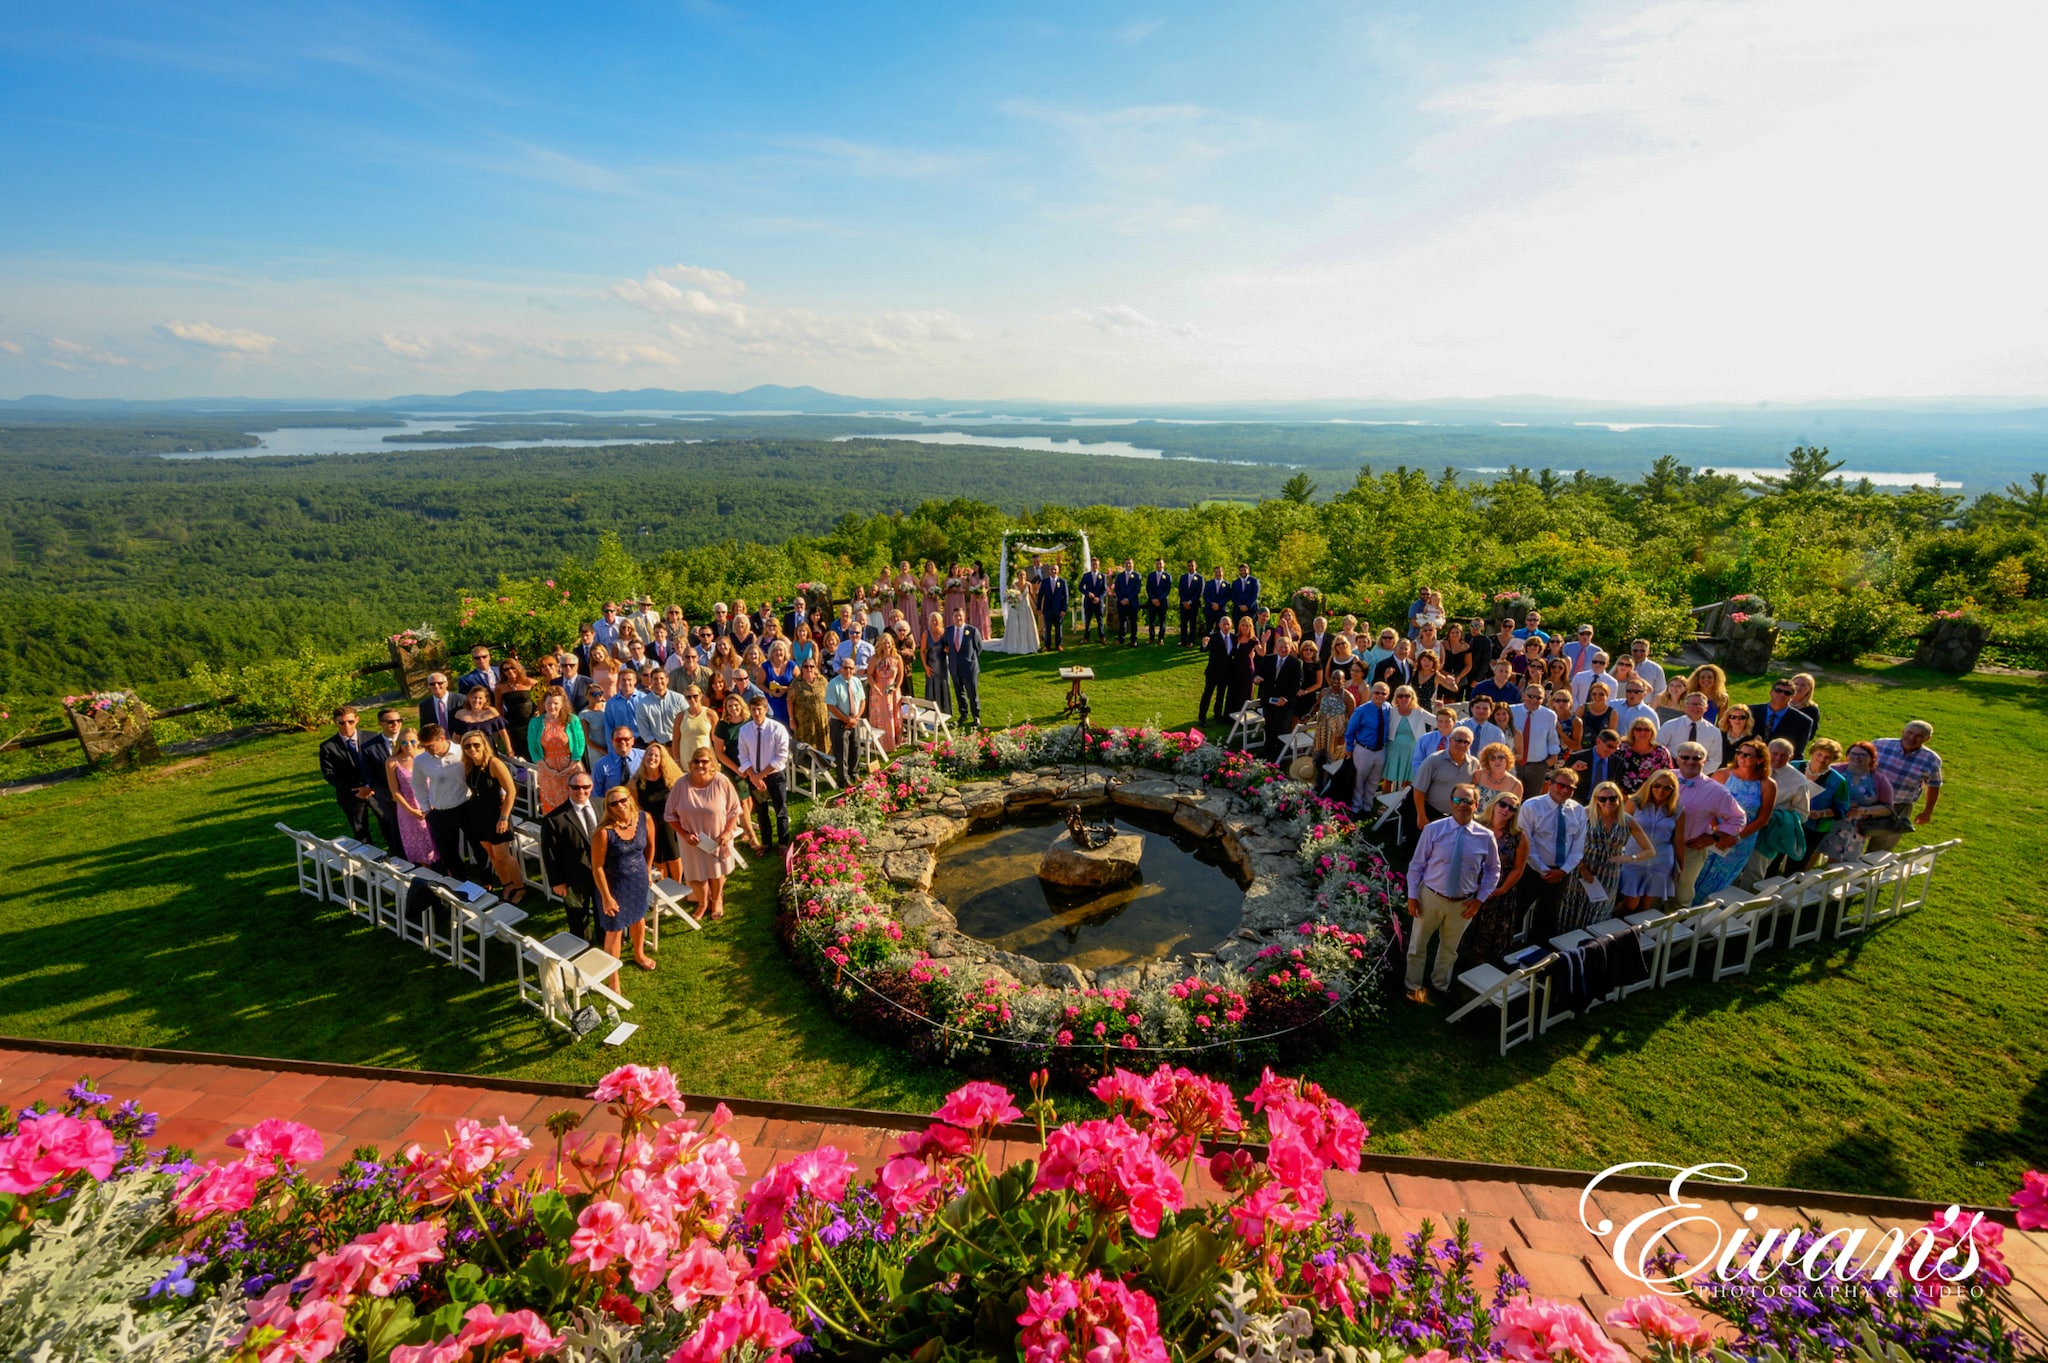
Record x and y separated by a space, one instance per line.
906 1188
276 1140
745 1318
49 1146
228 1188
600 1235
1658 1319
1120 1086
1538 1331
974 1106
700 1273
1093 1318
822 1173
304 1335
639 1090
1959 1234
2031 1201
1115 1168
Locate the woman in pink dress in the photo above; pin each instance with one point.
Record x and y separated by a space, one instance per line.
413 838
956 590
555 738
885 693
932 590
704 811
906 596
977 600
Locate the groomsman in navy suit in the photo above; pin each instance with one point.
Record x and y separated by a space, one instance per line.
1126 586
1190 604
1094 587
1244 593
1216 598
1052 604
1158 583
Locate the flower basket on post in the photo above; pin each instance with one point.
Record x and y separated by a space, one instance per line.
1748 643
113 727
1951 642
1307 604
1516 604
416 654
815 596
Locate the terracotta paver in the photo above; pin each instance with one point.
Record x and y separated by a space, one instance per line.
1529 1218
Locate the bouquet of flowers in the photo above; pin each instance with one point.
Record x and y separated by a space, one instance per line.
1014 597
101 702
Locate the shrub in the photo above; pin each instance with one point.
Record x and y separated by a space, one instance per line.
1838 624
300 690
1619 611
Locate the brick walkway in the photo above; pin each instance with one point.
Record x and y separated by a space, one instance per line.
1529 1215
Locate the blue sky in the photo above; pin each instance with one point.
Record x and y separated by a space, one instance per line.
1669 201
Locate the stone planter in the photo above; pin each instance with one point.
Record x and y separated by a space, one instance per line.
412 664
1747 646
1951 646
120 737
1306 608
1516 606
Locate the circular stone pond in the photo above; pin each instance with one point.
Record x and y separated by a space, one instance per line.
1186 895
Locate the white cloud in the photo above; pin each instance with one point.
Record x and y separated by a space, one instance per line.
700 306
225 340
436 349
1727 200
70 355
1121 319
10 347
1138 30
894 163
587 351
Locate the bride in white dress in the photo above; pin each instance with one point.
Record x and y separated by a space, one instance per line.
1020 616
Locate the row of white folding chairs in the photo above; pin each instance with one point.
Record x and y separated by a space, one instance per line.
1736 924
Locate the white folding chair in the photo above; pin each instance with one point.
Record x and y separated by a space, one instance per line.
1739 928
1389 806
389 880
1247 726
670 897
1654 934
1868 877
566 968
1815 890
525 788
466 925
1683 934
1910 883
869 748
311 870
525 846
927 719
813 768
1522 996
348 882
1294 743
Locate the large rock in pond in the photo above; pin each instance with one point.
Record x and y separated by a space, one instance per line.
1073 867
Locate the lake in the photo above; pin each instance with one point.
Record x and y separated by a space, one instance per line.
308 440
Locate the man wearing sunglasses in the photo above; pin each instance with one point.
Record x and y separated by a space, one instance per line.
1777 719
1554 825
1455 869
481 673
565 833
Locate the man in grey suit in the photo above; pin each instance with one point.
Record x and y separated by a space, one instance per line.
961 648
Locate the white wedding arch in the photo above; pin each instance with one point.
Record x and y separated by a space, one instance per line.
1042 541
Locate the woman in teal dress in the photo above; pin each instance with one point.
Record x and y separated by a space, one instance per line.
1749 782
1407 726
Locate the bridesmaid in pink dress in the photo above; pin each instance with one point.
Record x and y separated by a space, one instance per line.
956 590
930 586
977 600
906 597
885 693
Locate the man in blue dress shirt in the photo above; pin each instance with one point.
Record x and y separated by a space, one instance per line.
1455 869
1365 743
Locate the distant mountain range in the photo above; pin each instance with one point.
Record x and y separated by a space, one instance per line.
769 397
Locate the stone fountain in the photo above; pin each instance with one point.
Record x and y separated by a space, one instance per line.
1090 856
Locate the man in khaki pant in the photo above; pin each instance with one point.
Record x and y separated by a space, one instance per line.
1455 867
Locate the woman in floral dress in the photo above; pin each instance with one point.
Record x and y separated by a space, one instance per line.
1494 928
1642 756
885 693
1749 782
1609 831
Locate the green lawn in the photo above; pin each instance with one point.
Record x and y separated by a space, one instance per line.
158 908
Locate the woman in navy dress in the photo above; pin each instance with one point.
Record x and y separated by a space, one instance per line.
621 862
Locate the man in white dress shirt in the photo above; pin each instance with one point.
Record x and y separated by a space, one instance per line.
1648 668
1635 698
764 763
1536 740
1693 727
1554 826
1582 682
1455 868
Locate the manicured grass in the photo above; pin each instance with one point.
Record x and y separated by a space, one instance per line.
158 908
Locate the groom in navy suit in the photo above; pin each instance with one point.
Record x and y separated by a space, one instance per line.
1052 604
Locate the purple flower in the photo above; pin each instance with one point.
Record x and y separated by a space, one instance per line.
835 1234
80 1094
174 1283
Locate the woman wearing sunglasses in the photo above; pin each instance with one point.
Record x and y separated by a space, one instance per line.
621 865
415 842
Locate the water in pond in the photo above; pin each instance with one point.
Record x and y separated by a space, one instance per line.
1188 897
